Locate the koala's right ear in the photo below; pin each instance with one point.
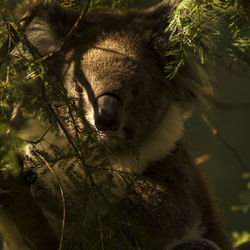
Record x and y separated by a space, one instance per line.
153 21
158 16
48 29
187 85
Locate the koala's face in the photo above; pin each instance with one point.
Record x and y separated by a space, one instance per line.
119 86
113 67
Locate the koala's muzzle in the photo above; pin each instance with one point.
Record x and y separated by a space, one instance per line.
108 113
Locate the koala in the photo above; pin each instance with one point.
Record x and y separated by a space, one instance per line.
113 69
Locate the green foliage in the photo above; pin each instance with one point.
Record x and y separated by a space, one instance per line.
25 91
10 145
244 197
192 26
111 4
237 17
100 4
72 3
240 238
197 25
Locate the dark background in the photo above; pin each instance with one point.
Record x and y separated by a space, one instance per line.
223 170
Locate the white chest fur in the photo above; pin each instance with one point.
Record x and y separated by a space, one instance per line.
156 146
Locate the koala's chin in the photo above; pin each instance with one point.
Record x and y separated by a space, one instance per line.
118 141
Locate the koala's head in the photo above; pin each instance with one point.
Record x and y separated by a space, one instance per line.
113 67
122 89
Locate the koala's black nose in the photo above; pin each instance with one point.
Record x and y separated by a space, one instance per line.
108 113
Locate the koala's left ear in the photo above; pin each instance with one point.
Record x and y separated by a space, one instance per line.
48 29
188 83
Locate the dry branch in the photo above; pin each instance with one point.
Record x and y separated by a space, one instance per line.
202 159
225 143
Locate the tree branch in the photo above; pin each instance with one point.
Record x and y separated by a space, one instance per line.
201 159
9 44
225 143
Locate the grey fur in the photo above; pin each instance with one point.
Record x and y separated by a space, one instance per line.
123 54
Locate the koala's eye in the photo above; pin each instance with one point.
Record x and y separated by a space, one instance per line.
78 89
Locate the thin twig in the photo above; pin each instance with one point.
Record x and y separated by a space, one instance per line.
225 143
70 33
70 140
201 159
14 114
51 109
8 45
62 196
39 139
231 106
80 148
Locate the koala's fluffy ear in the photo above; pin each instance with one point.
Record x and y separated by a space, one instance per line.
157 17
187 85
153 22
48 29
